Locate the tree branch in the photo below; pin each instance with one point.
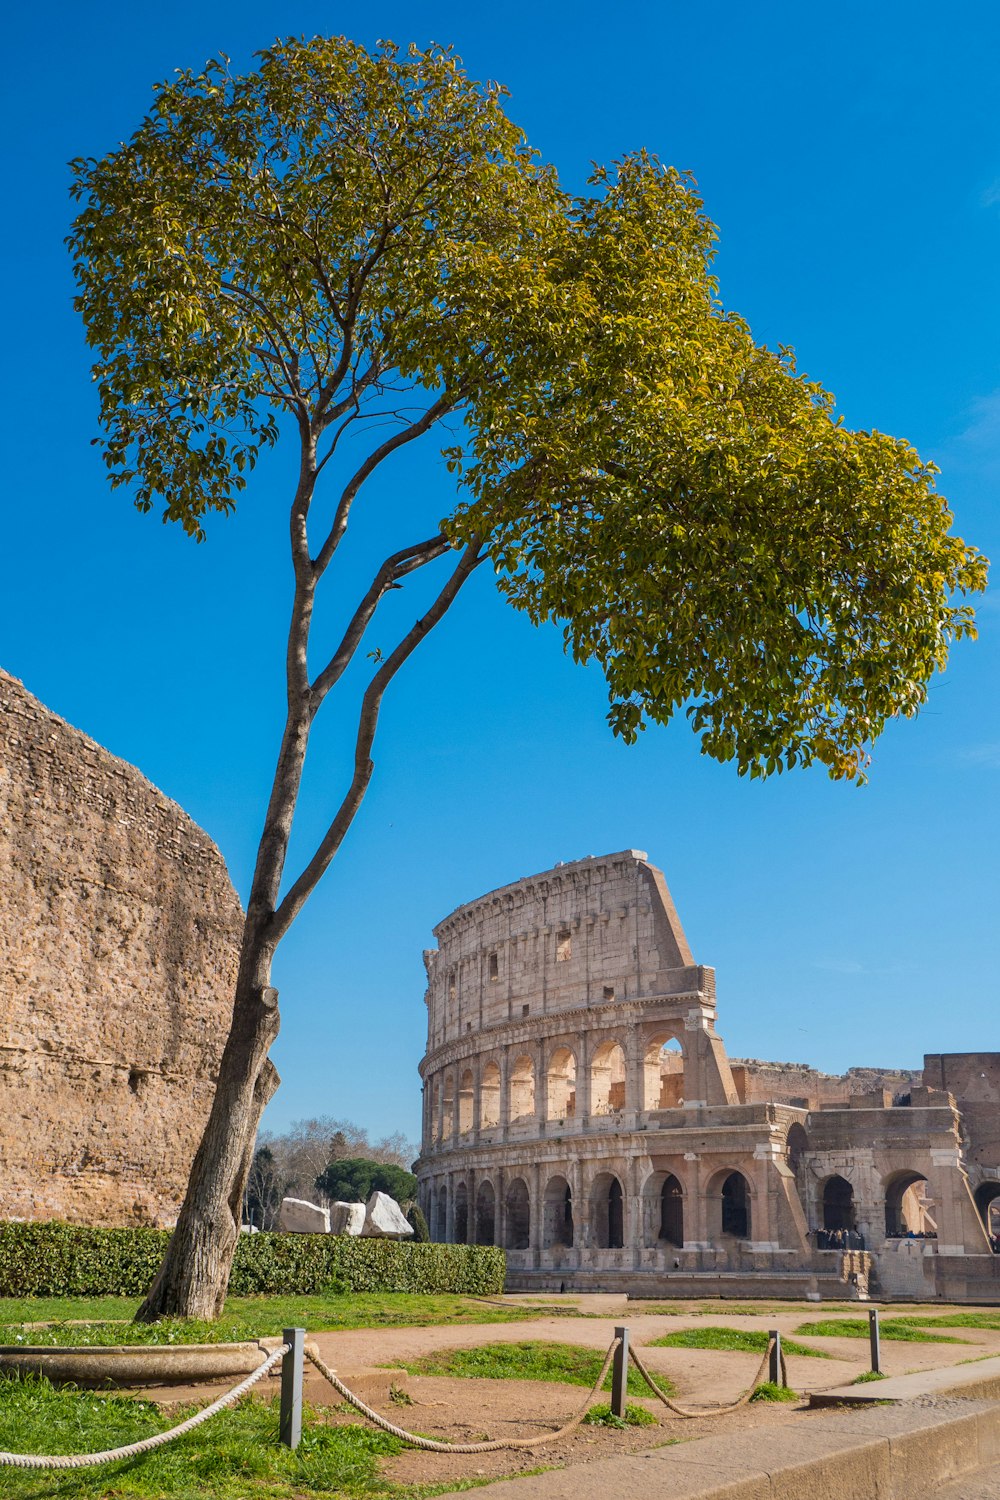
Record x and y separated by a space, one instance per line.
416 429
387 577
296 897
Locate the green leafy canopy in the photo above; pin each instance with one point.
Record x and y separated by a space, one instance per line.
289 247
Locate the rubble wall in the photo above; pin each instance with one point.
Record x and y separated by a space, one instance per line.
118 943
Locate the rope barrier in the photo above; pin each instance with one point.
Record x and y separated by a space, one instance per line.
133 1450
433 1446
708 1411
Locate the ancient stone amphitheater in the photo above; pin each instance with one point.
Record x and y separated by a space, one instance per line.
580 1110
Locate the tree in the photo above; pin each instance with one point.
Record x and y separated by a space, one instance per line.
339 239
303 1151
354 1181
264 1190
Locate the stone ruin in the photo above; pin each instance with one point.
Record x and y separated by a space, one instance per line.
119 932
580 1110
380 1218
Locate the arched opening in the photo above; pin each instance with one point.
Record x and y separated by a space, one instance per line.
489 1099
838 1205
557 1214
518 1216
907 1209
522 1088
607 1208
663 1073
736 1206
448 1107
672 1212
461 1214
796 1146
607 1080
987 1197
561 1085
466 1095
430 1210
486 1214
441 1217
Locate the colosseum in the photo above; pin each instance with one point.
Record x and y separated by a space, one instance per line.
119 933
580 1110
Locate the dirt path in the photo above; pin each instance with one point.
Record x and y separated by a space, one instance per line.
460 1410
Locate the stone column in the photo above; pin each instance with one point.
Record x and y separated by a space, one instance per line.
634 1081
438 1108
456 1090
477 1100
470 1219
449 1223
535 1219
633 1217
583 1079
541 1087
504 1096
499 1209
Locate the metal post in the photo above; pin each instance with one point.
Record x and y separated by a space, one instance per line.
290 1422
873 1339
619 1375
774 1363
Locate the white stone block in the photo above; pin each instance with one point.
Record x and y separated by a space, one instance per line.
347 1218
385 1219
296 1216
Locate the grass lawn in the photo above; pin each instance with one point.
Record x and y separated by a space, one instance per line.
234 1456
986 1320
903 1330
247 1317
749 1340
569 1364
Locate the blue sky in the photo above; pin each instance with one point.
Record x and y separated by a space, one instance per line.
851 158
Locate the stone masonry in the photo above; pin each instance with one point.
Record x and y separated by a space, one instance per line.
580 1110
118 942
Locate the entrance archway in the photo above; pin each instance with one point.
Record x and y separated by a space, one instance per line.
607 1202
838 1204
486 1209
518 1215
672 1212
557 1214
905 1209
736 1206
461 1214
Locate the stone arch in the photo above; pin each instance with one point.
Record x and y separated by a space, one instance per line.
838 1204
663 1210
557 1214
486 1214
607 1212
461 1214
441 1216
905 1210
448 1106
729 1206
560 1081
430 1209
466 1100
607 1079
518 1236
796 1147
522 1088
987 1195
489 1097
663 1064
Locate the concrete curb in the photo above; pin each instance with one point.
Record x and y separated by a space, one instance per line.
979 1380
135 1364
885 1453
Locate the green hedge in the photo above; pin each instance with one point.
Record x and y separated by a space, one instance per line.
68 1260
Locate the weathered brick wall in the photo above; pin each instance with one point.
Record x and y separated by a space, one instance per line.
806 1088
118 936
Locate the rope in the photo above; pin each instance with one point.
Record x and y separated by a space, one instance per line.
433 1446
133 1450
707 1411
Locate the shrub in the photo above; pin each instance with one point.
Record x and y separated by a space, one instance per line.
70 1260
417 1222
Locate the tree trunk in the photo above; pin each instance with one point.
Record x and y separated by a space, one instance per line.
194 1275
